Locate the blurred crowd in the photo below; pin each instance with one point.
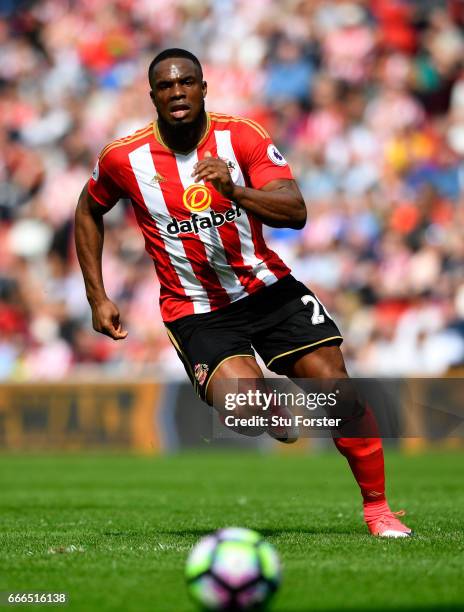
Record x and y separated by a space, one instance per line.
366 99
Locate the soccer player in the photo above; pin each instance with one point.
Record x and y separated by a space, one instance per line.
202 184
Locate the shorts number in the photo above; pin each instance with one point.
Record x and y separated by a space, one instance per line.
316 317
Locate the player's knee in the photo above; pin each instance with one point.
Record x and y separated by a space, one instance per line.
331 371
349 404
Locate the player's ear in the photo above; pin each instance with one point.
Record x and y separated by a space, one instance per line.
204 87
152 96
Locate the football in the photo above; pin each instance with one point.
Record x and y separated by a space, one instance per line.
233 569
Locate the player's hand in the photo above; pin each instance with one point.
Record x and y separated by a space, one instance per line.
215 171
105 319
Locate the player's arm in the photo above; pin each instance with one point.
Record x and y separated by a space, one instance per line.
278 203
89 235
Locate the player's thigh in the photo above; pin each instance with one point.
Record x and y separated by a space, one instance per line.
206 344
308 331
226 379
323 362
306 348
324 370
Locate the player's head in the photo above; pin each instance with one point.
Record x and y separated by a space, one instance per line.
177 87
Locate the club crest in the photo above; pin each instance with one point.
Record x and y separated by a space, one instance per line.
201 372
233 168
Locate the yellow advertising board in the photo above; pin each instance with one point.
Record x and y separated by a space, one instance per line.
111 415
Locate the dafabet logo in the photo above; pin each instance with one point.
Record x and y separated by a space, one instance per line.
197 222
197 198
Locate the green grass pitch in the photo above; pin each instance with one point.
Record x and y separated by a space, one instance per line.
114 531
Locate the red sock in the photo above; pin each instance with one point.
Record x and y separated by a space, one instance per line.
365 457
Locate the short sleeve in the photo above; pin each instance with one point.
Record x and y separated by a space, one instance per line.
102 185
261 159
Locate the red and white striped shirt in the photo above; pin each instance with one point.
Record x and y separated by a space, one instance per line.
207 251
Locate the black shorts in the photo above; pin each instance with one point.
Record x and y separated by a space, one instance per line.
281 322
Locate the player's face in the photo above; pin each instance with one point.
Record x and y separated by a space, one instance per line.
178 91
